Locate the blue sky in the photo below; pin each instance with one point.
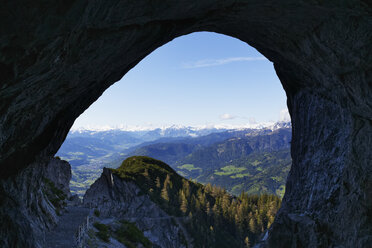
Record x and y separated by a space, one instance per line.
198 79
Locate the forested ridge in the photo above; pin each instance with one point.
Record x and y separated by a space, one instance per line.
213 217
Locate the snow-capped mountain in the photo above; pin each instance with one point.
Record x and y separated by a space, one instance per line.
151 133
88 150
85 144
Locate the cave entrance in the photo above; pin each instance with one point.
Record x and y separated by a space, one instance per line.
212 108
56 65
196 85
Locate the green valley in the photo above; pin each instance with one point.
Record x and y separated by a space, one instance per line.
256 164
252 160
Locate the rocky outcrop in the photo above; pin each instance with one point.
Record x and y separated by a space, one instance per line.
57 58
117 199
59 172
31 202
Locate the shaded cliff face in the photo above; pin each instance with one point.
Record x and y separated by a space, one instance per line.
57 58
118 200
59 172
31 202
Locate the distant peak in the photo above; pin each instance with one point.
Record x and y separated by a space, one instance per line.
190 129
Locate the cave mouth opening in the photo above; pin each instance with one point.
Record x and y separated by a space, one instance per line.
208 105
195 85
319 53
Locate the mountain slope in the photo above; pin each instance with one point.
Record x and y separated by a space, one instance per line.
253 161
220 153
169 152
165 145
259 172
202 216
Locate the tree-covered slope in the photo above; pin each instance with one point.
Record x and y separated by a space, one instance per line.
215 155
257 173
256 162
213 217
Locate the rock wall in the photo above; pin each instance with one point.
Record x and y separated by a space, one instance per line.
59 172
27 208
327 201
117 199
57 58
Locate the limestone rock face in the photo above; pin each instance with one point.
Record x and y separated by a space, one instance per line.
57 58
117 199
26 206
59 172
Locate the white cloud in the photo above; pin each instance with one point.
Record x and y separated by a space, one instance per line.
227 117
284 115
217 62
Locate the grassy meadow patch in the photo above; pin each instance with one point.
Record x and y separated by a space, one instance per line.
229 170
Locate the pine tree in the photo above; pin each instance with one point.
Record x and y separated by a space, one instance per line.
252 225
157 182
186 188
246 242
164 192
208 208
146 173
201 198
183 202
208 188
260 225
215 209
190 215
270 221
225 204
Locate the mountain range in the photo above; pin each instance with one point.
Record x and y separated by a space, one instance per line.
253 161
218 156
